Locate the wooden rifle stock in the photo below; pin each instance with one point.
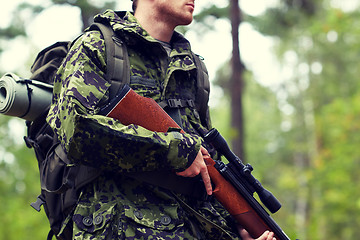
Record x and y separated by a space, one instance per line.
131 108
235 203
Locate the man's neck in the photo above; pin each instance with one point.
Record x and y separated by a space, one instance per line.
156 28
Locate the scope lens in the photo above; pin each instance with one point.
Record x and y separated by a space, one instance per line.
3 94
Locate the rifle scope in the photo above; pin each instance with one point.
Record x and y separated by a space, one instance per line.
243 171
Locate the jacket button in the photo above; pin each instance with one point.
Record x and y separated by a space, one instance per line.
138 214
196 114
87 221
165 220
98 219
120 226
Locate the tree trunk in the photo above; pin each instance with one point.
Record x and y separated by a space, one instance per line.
236 83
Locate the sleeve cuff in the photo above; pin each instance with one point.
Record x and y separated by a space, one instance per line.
183 150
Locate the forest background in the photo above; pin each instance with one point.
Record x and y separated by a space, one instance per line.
301 103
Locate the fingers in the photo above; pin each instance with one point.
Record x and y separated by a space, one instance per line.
206 179
187 173
204 171
194 168
267 235
199 167
270 236
244 234
204 152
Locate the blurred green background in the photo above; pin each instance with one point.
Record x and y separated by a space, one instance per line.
301 103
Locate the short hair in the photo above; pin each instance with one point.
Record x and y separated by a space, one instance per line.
134 5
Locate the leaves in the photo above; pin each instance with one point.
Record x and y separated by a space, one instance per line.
19 173
302 136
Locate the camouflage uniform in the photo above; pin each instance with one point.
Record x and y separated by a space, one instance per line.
116 206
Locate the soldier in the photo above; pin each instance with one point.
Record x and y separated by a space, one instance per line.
119 205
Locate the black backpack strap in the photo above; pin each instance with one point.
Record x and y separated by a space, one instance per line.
193 187
117 59
203 91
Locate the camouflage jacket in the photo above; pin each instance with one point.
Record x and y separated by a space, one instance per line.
116 206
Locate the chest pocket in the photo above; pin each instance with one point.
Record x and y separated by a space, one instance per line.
146 87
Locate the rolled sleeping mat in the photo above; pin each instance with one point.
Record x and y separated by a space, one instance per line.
23 98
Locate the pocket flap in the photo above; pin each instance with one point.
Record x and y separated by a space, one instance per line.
94 217
156 217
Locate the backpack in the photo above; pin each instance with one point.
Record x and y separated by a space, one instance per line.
60 180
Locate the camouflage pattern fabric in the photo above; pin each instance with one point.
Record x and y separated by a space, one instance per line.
115 206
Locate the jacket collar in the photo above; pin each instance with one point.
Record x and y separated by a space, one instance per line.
129 29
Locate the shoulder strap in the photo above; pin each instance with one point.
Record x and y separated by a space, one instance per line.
203 91
118 70
201 99
117 59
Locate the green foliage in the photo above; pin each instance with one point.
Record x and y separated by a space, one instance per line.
289 15
88 8
19 173
204 21
19 185
265 144
337 166
301 136
210 14
12 31
321 51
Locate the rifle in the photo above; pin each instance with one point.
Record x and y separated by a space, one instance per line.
234 183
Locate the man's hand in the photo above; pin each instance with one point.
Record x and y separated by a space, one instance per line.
265 236
199 167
